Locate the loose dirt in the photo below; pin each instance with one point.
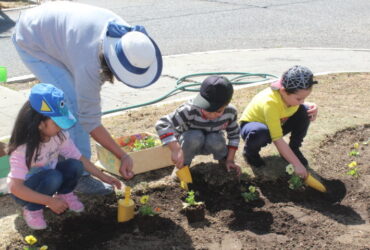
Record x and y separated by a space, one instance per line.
281 218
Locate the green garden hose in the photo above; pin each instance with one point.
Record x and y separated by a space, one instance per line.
194 86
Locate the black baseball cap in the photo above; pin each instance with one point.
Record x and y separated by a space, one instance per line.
215 92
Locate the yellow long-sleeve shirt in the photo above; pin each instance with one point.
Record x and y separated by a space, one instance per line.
268 107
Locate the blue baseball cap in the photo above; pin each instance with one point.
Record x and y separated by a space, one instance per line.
49 101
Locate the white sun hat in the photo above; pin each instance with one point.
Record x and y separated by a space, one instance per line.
133 57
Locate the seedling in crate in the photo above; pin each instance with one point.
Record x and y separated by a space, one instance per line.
252 195
147 142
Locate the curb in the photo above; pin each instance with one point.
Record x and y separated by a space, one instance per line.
21 79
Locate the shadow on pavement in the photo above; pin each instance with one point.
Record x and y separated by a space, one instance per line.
6 23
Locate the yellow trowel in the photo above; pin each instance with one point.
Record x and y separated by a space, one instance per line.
314 183
184 177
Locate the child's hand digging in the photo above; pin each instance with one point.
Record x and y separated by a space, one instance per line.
231 165
57 205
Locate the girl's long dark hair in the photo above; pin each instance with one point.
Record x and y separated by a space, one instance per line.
106 74
26 131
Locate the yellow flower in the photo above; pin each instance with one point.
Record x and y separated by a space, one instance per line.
289 169
44 247
352 164
252 189
356 145
144 199
30 239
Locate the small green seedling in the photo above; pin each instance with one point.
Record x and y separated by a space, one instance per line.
251 195
190 200
295 182
353 172
354 153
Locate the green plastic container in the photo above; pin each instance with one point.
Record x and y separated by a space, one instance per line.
4 170
4 166
3 74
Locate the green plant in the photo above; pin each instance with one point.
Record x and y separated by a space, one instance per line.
251 195
146 209
190 200
31 241
147 142
354 153
295 182
353 172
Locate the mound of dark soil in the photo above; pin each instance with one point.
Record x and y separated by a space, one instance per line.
280 218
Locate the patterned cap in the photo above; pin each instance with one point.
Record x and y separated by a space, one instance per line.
298 77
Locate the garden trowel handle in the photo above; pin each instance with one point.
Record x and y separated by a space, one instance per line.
127 195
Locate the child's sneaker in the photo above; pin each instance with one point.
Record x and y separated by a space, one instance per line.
34 219
72 200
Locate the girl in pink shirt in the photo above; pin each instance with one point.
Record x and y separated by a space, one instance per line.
36 178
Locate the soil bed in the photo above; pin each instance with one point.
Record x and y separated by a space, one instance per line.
280 218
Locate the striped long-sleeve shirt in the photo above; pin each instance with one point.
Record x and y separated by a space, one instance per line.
188 116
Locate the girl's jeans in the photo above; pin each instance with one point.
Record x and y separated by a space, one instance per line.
256 135
61 78
197 142
62 180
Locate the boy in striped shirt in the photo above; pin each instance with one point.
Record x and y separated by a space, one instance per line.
196 127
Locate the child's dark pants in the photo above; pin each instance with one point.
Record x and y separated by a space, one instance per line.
62 180
256 135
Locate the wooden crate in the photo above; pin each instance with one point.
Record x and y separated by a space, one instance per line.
144 160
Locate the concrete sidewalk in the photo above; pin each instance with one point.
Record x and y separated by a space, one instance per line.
271 61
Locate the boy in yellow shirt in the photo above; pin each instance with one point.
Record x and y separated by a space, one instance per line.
277 111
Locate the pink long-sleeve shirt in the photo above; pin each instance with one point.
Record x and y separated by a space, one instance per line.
48 156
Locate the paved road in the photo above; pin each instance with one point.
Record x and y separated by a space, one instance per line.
204 25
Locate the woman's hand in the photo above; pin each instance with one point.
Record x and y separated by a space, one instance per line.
126 167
